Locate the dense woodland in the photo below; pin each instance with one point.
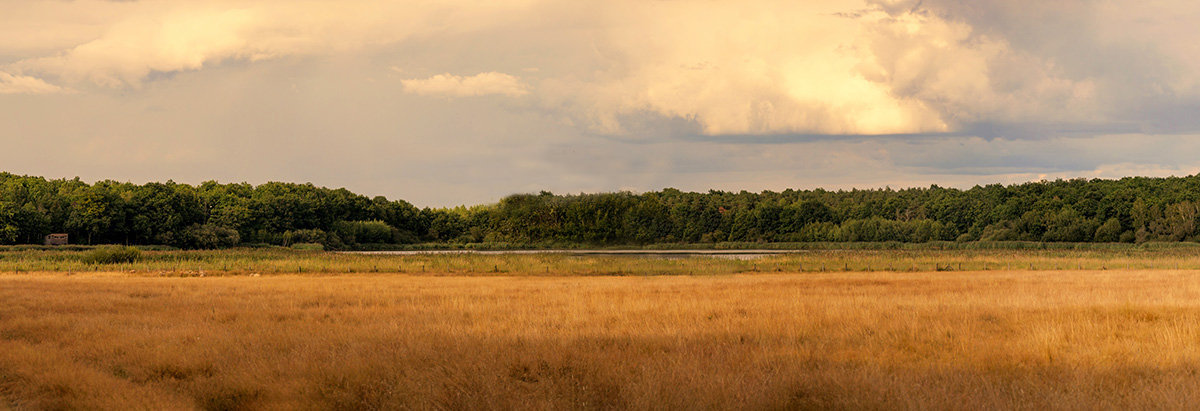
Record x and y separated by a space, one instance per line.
214 215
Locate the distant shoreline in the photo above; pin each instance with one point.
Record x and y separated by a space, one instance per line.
678 252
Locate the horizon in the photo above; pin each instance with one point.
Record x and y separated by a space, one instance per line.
457 103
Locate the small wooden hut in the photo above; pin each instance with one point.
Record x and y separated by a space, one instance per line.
56 239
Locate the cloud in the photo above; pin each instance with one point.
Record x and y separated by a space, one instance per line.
722 67
1109 65
967 78
889 67
829 67
176 41
734 67
173 36
817 68
779 67
481 84
17 84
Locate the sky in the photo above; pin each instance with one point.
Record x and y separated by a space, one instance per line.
451 102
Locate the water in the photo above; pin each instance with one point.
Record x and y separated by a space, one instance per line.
670 254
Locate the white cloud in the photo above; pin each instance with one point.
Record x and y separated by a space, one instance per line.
966 77
1118 63
771 67
17 84
736 67
818 67
171 36
481 84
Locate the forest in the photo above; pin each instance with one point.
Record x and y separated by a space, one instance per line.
216 215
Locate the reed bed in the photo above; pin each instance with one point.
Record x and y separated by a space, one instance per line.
272 261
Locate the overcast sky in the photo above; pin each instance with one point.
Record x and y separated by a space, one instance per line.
452 102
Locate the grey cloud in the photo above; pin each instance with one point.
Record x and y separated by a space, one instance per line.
1134 54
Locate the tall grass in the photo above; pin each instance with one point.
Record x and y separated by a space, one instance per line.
944 340
111 255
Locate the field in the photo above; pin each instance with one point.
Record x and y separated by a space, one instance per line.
526 332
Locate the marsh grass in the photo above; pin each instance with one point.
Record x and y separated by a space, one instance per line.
243 261
1067 339
111 255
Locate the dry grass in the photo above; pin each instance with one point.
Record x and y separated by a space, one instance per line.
949 340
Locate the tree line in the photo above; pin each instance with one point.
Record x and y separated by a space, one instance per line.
215 215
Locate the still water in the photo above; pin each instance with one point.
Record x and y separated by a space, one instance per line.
730 254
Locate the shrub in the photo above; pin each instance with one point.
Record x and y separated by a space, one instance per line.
367 232
208 236
328 240
1128 236
999 232
308 246
303 236
112 255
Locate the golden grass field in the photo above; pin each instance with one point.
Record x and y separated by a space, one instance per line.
864 340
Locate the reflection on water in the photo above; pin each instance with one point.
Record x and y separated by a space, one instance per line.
679 256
